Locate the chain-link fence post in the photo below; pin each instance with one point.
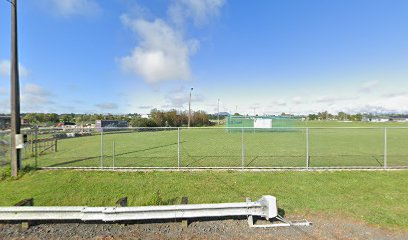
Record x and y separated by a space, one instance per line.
102 147
385 148
113 156
242 148
307 149
178 149
36 146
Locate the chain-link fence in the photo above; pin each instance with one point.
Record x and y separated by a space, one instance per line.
4 148
299 148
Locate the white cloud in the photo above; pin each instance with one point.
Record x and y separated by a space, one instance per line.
395 94
4 106
5 69
164 52
107 106
3 91
162 55
297 100
368 86
198 10
35 99
33 89
333 99
146 107
68 8
279 102
179 98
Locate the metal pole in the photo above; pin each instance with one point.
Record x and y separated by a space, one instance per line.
385 148
113 156
218 115
102 147
178 149
307 149
36 146
242 147
15 93
189 108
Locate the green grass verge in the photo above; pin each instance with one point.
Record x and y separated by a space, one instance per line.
378 198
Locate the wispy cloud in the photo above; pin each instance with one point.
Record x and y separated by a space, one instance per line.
368 86
35 99
164 51
4 106
333 99
368 108
395 94
180 97
107 106
68 8
145 107
297 100
3 91
279 102
5 69
200 11
33 89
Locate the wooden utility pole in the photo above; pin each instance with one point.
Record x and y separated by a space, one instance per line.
15 93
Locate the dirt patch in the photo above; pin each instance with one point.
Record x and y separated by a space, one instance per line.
324 227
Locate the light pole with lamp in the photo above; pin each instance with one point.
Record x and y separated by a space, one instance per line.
189 108
218 115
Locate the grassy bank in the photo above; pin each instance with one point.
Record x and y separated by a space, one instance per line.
375 197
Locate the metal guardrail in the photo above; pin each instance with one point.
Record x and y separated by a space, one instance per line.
265 207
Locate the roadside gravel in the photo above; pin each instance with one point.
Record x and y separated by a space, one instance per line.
324 227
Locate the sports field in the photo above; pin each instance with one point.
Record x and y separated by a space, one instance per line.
329 144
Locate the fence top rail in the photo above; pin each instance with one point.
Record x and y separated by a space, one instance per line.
212 128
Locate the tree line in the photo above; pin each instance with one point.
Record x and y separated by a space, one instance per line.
342 116
172 118
53 118
160 118
157 118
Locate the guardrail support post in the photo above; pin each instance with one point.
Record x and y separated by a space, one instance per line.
184 222
385 148
26 202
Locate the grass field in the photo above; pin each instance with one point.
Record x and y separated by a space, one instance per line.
378 198
218 147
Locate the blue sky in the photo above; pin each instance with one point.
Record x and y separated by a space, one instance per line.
267 57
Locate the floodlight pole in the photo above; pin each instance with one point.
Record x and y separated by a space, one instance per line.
189 108
15 93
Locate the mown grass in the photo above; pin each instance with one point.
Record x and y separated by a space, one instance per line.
378 198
